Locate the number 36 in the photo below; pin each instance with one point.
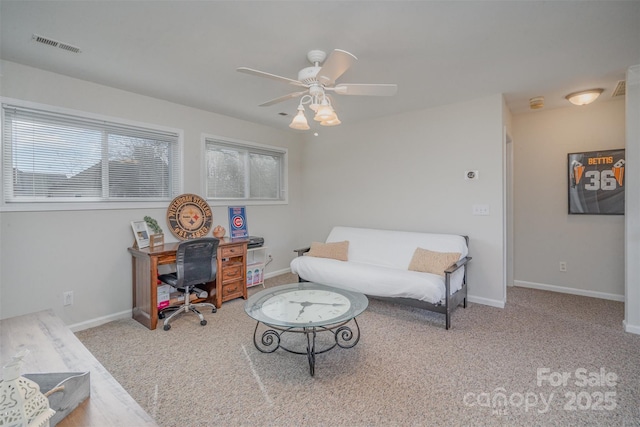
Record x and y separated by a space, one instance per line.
604 180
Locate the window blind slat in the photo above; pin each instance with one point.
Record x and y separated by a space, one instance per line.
244 172
49 156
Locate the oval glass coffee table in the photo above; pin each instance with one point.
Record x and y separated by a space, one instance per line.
306 308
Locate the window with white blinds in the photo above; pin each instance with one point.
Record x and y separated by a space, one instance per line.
238 171
49 156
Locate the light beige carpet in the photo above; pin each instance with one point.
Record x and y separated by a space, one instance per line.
546 359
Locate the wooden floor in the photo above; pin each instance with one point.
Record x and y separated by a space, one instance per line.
54 348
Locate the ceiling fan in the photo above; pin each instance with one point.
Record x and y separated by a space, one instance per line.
316 80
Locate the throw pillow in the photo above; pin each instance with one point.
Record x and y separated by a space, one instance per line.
432 262
333 250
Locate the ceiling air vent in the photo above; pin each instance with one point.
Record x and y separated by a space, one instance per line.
620 90
54 43
45 40
69 48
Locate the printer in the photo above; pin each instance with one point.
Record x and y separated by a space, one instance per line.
255 242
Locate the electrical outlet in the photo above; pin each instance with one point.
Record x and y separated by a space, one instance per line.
563 266
481 210
68 298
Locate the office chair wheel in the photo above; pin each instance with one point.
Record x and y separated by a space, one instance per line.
167 327
214 310
161 315
203 322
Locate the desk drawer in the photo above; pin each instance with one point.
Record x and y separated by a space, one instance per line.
232 251
167 259
231 272
232 289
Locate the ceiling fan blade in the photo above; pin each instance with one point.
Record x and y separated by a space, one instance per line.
258 73
365 89
335 65
284 98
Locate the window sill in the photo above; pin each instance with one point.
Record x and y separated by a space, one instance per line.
86 206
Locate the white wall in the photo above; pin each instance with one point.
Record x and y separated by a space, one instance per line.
591 245
43 254
406 172
632 243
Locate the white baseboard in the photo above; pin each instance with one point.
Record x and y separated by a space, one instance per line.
486 301
565 290
277 273
76 327
633 329
100 321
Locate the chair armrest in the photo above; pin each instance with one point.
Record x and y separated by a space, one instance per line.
457 265
302 250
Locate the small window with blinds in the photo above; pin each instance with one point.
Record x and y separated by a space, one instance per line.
245 172
49 156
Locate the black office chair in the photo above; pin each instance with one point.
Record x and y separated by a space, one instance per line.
195 264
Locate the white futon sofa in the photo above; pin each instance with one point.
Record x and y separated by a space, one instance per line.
424 270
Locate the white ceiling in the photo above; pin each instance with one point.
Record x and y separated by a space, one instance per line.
438 52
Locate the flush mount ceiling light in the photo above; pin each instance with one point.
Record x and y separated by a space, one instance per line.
584 97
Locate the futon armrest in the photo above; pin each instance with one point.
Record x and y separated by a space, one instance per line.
302 250
457 265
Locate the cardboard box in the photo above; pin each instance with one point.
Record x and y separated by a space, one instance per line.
177 298
164 295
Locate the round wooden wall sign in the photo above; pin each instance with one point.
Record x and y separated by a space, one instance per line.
189 216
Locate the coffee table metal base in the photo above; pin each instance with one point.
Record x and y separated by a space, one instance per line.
343 336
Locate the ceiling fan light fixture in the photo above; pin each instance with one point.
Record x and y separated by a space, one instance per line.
334 122
299 122
584 97
325 112
314 105
320 77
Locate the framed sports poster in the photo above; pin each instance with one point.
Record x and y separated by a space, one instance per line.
238 222
596 182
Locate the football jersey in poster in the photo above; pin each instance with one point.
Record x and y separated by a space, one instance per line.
596 182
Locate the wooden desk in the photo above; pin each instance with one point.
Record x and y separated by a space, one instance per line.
231 281
54 348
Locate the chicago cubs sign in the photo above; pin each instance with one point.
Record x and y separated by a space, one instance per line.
238 222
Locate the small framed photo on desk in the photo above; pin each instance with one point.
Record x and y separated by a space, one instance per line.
141 233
